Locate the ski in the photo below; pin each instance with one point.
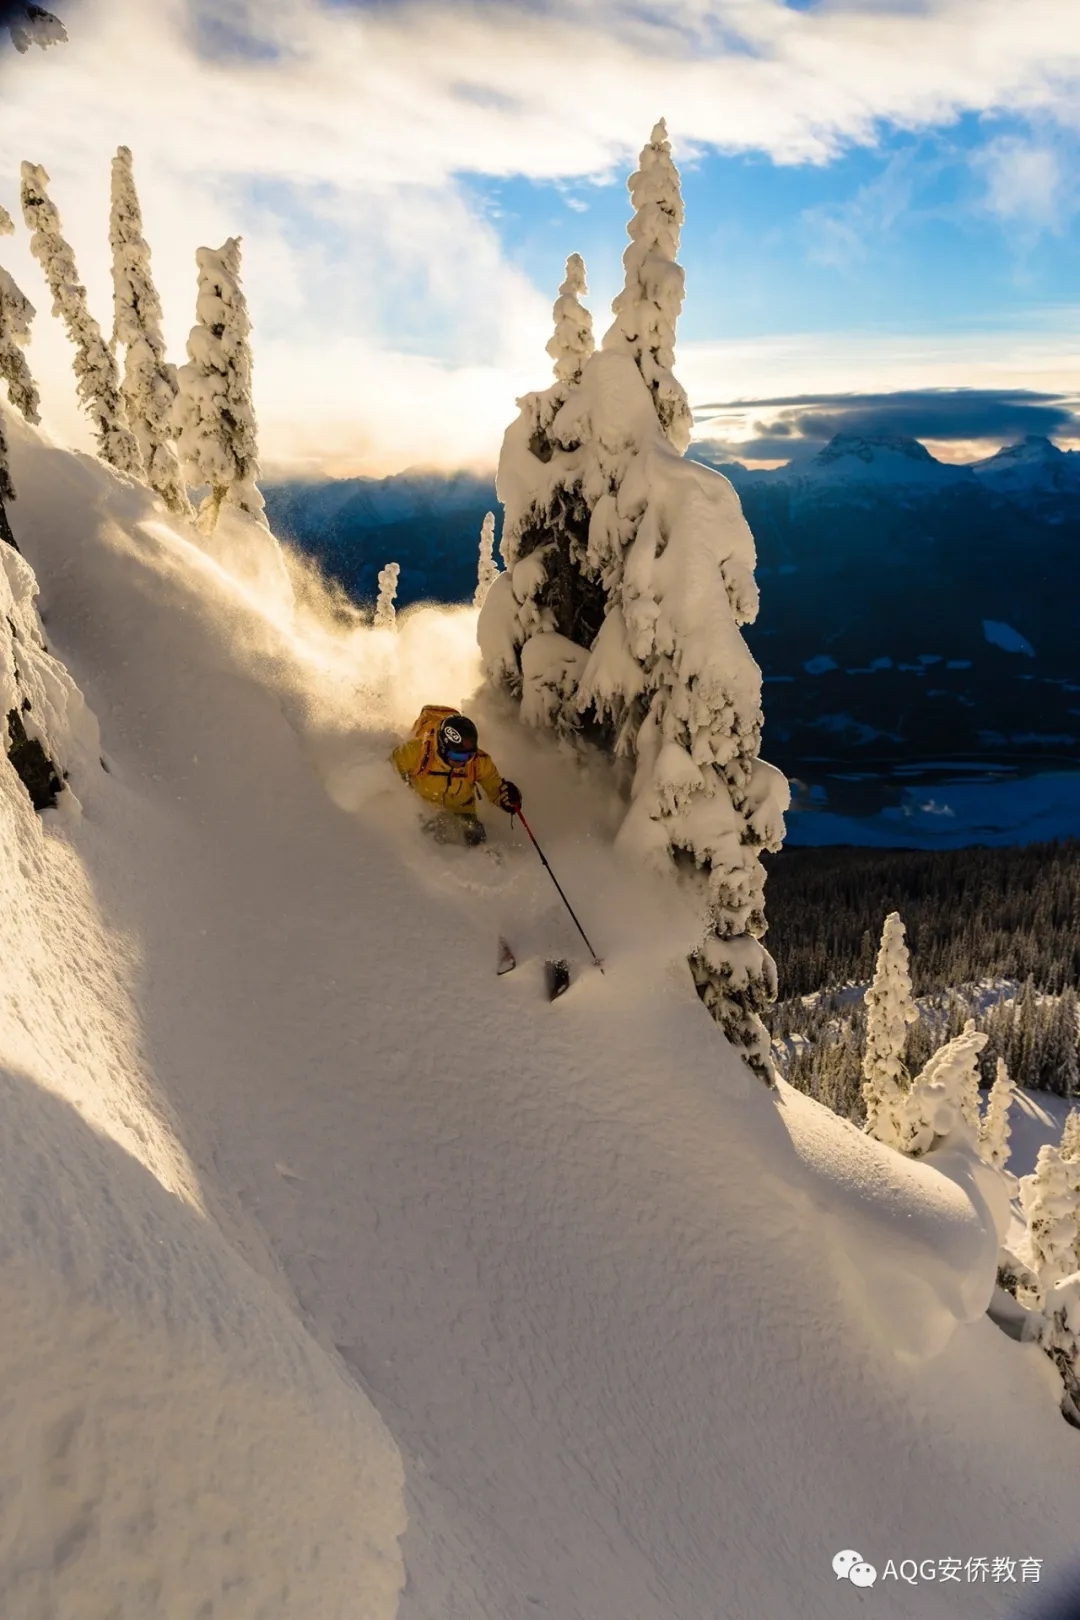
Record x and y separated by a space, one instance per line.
557 977
556 970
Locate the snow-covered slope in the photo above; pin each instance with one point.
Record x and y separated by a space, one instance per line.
650 1341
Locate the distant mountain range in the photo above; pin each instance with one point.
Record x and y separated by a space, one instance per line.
912 610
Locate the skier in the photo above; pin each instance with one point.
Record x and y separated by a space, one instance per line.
443 762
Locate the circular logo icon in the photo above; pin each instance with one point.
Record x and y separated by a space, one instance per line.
451 735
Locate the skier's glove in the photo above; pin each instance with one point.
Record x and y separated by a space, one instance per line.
509 798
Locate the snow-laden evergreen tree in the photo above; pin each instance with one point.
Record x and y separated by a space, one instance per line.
16 314
214 418
944 1095
1050 1199
995 1130
385 611
95 364
1064 1036
1060 1338
1070 1135
572 341
890 1009
487 569
630 571
149 385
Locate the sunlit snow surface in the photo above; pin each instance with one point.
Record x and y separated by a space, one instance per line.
280 1152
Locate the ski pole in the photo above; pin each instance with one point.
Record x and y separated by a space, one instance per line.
558 885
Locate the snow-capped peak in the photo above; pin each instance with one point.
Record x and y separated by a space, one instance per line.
1033 449
872 447
877 458
1034 465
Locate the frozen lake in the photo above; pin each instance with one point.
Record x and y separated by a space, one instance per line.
945 805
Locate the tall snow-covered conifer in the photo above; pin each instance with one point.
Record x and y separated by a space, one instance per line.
16 313
648 308
629 573
890 1009
487 569
214 418
1070 1135
1050 1199
549 523
95 364
385 611
1060 1338
149 385
996 1130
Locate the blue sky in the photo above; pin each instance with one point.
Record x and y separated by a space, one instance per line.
904 235
879 197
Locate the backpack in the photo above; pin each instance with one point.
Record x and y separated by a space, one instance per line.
426 725
430 718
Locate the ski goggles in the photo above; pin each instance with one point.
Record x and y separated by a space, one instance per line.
459 756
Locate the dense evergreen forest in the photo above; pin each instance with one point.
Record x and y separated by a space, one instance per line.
994 934
970 914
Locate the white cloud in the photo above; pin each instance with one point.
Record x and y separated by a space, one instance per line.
1029 183
330 138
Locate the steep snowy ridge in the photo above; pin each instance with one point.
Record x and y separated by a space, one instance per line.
279 1148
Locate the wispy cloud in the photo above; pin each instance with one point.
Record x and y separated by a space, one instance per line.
1031 182
841 235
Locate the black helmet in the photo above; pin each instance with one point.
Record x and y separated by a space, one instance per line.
457 741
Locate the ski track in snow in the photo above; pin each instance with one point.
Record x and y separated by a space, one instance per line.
626 1315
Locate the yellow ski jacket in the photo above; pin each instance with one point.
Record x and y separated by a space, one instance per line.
451 786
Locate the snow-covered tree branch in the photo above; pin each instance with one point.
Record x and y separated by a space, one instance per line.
95 365
149 386
385 612
944 1095
629 574
214 417
33 25
487 569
